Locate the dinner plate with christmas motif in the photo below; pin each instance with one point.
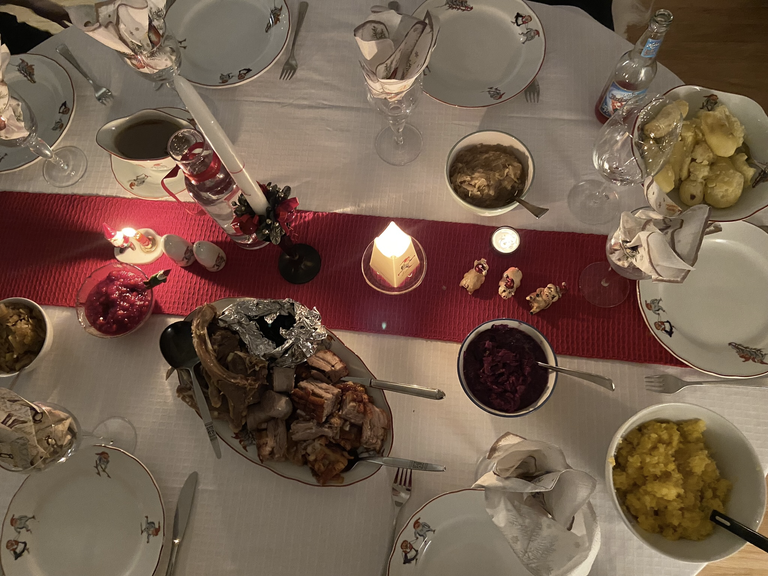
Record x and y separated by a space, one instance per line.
717 320
48 90
487 53
228 43
99 512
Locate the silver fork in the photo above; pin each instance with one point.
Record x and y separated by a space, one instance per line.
401 491
103 95
290 66
532 91
668 384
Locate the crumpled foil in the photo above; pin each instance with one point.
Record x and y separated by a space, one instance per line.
301 340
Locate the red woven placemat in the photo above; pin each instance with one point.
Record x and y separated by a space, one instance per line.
49 243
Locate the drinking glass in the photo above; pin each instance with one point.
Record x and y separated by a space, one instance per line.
61 168
624 155
400 143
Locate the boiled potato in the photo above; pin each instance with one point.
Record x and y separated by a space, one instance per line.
740 163
702 153
665 121
698 171
724 184
692 192
722 131
666 179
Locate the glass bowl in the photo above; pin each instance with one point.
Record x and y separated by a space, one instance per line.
110 303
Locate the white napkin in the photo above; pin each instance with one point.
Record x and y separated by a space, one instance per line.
11 116
134 28
532 495
395 49
665 248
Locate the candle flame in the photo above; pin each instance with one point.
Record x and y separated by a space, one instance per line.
393 242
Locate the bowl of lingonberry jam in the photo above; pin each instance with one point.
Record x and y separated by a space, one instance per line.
114 300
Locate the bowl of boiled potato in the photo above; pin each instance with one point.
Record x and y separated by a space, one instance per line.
717 160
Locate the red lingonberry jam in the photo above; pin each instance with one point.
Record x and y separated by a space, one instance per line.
118 303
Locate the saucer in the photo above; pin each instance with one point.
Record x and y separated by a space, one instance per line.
228 43
48 90
145 183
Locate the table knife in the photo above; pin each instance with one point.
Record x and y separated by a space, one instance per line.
412 389
403 463
183 508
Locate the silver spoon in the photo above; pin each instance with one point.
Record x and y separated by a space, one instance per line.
178 350
537 211
594 378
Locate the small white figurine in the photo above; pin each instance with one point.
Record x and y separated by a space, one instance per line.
178 249
543 298
510 282
474 278
209 255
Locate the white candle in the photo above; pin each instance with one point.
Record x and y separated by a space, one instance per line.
505 240
394 256
220 143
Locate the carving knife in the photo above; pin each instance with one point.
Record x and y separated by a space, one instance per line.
412 389
183 509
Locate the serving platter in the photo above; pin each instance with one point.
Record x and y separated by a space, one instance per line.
487 53
229 43
48 89
453 535
98 513
717 320
247 448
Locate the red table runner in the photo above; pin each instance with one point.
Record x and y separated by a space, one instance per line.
49 243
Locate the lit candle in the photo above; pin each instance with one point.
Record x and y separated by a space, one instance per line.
117 239
505 240
145 243
394 257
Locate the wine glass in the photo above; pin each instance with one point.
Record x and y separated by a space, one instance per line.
625 153
59 435
159 65
61 168
400 143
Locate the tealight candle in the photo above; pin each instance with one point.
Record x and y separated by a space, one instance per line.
505 240
394 257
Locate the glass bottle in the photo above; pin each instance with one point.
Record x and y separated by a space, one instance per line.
635 70
212 187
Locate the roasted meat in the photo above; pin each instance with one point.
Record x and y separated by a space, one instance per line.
330 364
272 405
353 401
326 460
315 399
375 427
272 443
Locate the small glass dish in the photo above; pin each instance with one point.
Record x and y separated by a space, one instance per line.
109 303
377 281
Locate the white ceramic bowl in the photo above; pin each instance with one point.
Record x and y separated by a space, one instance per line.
736 460
755 121
491 137
37 311
538 338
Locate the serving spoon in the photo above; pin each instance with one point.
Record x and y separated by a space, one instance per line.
179 351
537 211
589 377
737 528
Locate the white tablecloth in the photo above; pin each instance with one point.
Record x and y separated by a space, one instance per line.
315 133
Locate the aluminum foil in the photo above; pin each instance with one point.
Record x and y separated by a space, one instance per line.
301 340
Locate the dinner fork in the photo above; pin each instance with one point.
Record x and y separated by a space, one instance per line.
532 91
668 384
291 65
401 491
103 95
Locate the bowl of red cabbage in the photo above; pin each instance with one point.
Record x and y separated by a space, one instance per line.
498 368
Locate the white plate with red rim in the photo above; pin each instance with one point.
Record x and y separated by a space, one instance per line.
228 43
48 89
488 51
247 448
98 513
717 320
453 535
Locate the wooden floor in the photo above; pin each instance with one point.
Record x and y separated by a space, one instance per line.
720 44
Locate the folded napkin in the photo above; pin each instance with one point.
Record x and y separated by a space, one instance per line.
11 115
665 248
533 495
395 49
134 28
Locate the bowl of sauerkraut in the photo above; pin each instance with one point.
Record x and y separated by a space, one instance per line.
721 158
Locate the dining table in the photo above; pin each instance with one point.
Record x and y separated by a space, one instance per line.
316 134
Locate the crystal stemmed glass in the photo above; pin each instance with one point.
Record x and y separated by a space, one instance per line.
400 143
624 155
61 168
114 431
